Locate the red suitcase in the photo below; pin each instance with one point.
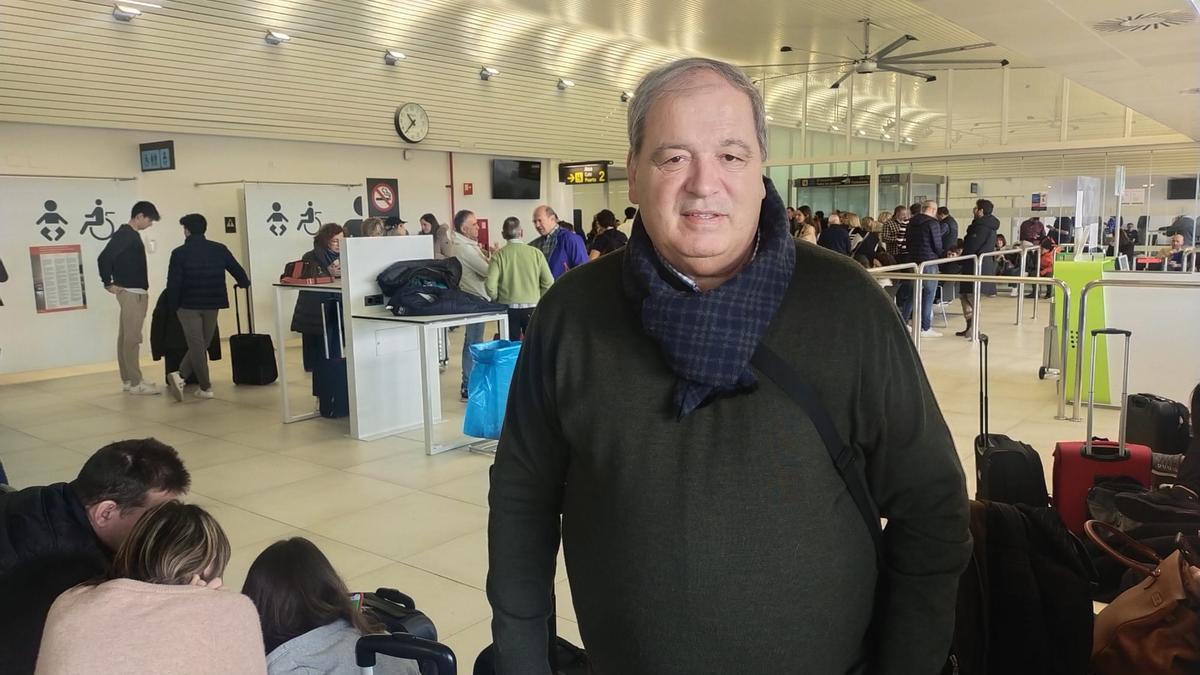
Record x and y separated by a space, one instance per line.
1079 464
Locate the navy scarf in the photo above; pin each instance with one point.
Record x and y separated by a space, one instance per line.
709 337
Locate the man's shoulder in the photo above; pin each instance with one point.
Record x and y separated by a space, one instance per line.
585 285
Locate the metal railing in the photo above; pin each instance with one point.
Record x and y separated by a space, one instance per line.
1079 326
1025 250
1039 281
976 264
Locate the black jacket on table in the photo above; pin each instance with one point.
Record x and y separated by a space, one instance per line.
47 545
924 239
123 260
166 333
196 275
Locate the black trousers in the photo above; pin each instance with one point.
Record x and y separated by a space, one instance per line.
518 321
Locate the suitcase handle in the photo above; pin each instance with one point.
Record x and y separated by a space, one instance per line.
984 404
237 312
1122 452
403 646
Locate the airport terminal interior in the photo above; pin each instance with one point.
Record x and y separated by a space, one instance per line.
1075 121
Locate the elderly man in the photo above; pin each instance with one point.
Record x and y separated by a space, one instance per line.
518 276
705 526
464 245
564 250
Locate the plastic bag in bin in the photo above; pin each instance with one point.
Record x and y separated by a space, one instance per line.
487 392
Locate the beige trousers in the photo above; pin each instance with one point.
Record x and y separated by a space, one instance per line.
129 334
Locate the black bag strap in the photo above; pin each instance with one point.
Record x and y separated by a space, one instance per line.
844 458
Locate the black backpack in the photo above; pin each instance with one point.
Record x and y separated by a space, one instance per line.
1025 600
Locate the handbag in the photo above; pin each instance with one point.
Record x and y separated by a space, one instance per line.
305 273
1152 628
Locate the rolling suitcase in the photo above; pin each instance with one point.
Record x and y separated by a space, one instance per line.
1159 423
434 658
1079 465
1006 470
252 355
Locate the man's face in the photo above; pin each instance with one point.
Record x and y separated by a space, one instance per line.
978 212
1177 242
470 228
902 215
698 177
543 222
140 222
112 525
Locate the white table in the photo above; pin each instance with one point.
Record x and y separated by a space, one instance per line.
283 330
430 386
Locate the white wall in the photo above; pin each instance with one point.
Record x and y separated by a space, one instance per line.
33 149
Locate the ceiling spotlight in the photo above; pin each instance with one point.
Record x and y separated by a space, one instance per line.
626 96
862 132
391 56
908 139
564 85
125 12
887 136
274 37
834 127
487 72
770 119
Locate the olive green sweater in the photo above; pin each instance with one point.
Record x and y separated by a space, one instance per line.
724 542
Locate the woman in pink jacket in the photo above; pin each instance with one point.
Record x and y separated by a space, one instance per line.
159 609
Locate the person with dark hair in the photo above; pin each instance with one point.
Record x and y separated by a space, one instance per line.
158 608
440 233
923 243
465 246
949 226
56 536
518 276
626 226
1032 230
895 232
1178 502
308 622
981 238
609 237
393 226
123 273
196 292
563 248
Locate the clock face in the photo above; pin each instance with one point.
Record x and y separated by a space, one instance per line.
412 122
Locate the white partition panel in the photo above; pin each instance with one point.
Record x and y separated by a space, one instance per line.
1166 329
384 366
277 228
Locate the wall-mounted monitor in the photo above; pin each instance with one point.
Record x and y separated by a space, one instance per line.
1181 188
516 179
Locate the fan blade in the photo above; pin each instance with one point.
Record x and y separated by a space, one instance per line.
952 62
949 50
793 65
925 76
802 72
900 42
842 79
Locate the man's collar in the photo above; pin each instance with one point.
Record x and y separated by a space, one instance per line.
689 282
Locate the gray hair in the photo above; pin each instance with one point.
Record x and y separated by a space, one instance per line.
666 79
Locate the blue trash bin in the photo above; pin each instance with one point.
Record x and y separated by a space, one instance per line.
487 392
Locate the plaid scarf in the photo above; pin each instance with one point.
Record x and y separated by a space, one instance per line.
548 242
709 337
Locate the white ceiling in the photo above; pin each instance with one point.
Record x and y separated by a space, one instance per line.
1143 69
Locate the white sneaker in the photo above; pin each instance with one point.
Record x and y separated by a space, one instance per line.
126 386
175 385
931 333
144 389
204 393
1013 292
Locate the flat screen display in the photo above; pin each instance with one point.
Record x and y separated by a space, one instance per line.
516 179
1181 188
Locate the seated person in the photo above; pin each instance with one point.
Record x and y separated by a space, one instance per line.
56 536
1171 503
159 608
309 625
1173 254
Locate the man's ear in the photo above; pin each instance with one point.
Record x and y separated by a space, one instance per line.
103 514
631 173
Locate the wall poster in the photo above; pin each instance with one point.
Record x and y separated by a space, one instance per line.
57 278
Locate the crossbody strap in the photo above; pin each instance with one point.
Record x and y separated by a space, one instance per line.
844 458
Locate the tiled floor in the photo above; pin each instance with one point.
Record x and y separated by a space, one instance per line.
386 514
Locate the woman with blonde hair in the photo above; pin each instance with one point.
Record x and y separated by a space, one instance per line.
373 227
159 608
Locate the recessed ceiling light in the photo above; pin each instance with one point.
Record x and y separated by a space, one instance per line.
391 56
125 12
770 119
274 37
862 132
564 85
908 139
626 96
834 127
487 72
887 136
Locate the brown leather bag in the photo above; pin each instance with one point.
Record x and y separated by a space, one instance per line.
1152 628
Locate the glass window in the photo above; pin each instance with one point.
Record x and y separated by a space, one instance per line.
1090 115
1144 126
976 102
1035 106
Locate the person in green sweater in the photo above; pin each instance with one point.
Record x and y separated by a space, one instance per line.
705 527
518 276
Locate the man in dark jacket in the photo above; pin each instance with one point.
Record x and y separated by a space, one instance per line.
123 273
923 243
58 536
710 531
196 291
950 228
836 237
980 239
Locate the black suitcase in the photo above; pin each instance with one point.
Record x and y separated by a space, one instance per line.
252 355
1157 422
1006 470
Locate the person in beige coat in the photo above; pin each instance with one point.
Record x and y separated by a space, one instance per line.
160 608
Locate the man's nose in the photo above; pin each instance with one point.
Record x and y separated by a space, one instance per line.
703 177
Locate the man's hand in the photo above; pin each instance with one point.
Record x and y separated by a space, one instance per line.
113 288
